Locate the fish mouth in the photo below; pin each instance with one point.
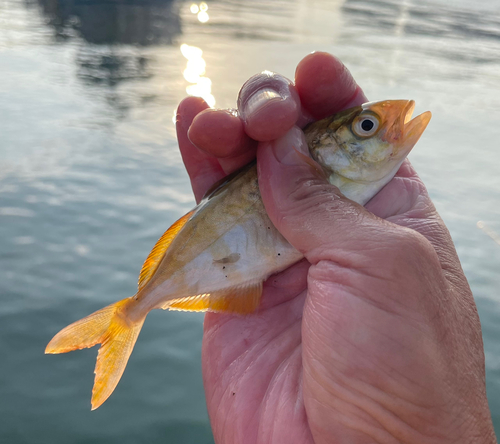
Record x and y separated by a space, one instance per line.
413 128
400 129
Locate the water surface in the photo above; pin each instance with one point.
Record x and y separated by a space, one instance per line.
90 175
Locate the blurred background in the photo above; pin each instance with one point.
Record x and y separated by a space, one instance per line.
90 174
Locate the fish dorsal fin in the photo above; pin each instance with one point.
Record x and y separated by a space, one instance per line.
158 251
242 299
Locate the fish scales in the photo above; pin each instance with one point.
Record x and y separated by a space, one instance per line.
229 241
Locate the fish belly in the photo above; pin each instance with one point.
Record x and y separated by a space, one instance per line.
229 244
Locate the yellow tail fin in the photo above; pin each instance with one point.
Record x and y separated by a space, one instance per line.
117 334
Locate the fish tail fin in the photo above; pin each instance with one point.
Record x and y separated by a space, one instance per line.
117 335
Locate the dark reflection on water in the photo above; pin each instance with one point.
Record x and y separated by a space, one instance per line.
116 35
108 22
136 22
111 68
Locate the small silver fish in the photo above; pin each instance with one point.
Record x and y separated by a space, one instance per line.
216 257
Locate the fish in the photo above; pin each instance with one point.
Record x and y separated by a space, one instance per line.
217 256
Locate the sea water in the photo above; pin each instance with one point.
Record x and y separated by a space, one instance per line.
90 175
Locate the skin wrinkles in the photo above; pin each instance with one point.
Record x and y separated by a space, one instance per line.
458 409
424 219
350 372
319 310
349 258
401 206
369 399
433 228
262 343
360 424
402 220
350 280
284 336
390 304
378 333
357 397
354 276
323 201
263 340
285 383
339 253
282 365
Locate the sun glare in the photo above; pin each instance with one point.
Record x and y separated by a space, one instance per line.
201 11
194 73
203 17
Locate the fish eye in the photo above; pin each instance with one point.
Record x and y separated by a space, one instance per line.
365 126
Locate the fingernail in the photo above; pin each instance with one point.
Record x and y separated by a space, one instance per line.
259 100
287 148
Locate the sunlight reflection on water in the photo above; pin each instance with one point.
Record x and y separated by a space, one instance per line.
195 74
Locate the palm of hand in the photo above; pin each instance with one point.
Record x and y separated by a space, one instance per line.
339 350
281 375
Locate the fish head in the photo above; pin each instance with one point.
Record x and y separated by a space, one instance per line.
366 144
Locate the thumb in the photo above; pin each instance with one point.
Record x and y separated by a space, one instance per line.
310 213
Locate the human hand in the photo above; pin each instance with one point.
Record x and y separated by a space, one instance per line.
375 336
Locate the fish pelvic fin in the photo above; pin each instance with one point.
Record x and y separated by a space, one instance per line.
117 335
242 299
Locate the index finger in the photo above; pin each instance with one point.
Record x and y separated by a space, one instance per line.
323 86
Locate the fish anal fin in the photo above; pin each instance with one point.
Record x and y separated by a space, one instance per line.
243 299
156 255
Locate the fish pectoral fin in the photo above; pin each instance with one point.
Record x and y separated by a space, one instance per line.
241 299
